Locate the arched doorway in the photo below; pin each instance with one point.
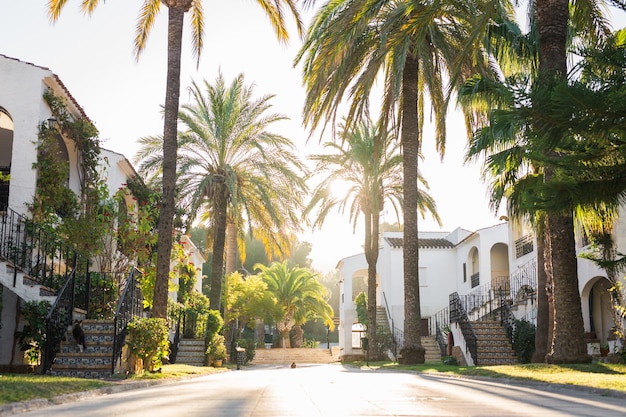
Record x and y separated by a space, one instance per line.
6 155
597 308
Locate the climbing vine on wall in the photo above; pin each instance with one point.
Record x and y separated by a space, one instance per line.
76 217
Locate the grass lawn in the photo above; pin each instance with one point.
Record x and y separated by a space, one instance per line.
20 387
594 375
23 387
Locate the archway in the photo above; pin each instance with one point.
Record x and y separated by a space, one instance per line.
596 304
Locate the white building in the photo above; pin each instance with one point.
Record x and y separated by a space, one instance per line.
475 265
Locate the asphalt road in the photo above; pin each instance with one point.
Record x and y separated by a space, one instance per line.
334 390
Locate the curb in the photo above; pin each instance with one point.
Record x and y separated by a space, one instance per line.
39 403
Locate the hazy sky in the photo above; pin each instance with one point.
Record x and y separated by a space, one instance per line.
94 58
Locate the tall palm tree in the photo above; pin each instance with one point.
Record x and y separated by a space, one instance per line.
233 168
584 159
369 160
176 12
297 294
414 45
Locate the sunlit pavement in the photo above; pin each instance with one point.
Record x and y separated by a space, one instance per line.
335 390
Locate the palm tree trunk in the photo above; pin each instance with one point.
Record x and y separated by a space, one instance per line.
568 338
412 352
170 150
568 344
543 305
371 256
219 238
231 248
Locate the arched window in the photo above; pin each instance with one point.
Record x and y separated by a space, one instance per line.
6 154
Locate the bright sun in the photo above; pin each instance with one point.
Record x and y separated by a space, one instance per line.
340 188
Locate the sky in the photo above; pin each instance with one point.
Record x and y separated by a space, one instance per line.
94 58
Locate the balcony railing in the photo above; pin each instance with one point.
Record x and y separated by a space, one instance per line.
523 246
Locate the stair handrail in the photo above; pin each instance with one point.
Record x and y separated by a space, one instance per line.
507 318
130 305
396 334
58 319
437 325
459 315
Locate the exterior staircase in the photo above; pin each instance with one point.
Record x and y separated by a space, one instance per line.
25 287
280 356
493 345
95 361
433 354
191 352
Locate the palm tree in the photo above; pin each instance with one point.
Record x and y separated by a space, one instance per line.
298 295
587 182
414 45
176 12
369 160
232 169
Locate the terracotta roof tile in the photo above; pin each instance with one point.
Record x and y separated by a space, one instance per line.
398 242
58 80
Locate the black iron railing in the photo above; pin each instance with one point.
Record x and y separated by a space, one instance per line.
130 305
439 325
523 246
458 315
38 252
397 335
524 281
58 319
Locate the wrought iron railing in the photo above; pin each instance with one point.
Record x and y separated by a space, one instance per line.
397 335
58 319
38 252
507 319
439 325
523 246
174 347
130 305
458 315
524 281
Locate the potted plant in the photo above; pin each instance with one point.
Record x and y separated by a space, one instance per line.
216 350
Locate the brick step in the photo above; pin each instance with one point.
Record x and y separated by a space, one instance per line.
82 373
72 348
84 361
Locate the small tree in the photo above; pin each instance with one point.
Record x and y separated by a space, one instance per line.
148 341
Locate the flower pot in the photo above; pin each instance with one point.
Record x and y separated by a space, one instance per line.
217 363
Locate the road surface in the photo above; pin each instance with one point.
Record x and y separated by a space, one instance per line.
338 391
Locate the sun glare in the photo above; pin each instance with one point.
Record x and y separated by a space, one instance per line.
340 188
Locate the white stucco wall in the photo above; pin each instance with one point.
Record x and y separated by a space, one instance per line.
27 109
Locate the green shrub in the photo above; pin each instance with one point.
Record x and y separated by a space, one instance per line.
216 349
32 337
449 360
310 344
148 340
524 340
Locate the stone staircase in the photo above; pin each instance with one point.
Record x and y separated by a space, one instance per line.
280 356
494 347
190 352
433 354
25 287
95 361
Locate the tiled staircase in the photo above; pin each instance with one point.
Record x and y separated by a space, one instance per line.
494 347
95 360
190 352
279 356
433 354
